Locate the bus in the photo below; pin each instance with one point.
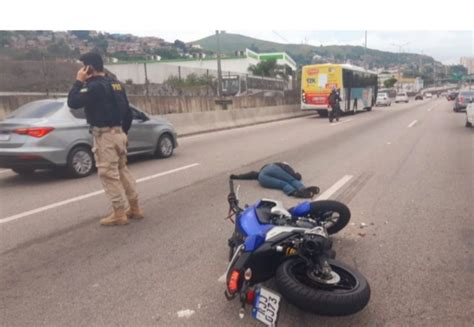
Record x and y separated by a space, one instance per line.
358 87
237 85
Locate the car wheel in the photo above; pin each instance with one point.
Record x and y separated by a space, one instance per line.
164 147
468 124
24 171
80 162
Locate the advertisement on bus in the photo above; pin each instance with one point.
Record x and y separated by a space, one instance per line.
317 82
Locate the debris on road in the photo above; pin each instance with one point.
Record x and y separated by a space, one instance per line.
361 234
185 313
362 225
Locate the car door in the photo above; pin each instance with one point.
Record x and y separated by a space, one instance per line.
139 133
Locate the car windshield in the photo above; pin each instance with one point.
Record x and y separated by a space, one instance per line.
467 94
36 109
382 95
401 94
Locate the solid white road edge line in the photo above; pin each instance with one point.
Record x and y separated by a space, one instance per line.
333 189
4 171
326 195
412 123
85 196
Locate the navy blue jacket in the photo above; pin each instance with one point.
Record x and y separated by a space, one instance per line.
104 100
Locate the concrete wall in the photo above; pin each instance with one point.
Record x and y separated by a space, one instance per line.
199 122
192 115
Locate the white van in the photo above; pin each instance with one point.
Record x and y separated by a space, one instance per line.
401 97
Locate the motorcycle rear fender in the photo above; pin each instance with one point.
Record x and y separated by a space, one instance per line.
301 210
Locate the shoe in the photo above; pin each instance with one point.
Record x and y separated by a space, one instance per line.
134 212
118 217
313 189
303 193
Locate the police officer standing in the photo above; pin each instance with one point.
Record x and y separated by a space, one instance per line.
109 116
334 98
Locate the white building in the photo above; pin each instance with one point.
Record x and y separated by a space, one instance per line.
160 71
468 62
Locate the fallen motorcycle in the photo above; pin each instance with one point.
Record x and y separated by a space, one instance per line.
294 247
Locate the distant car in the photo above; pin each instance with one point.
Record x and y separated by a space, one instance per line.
463 98
418 97
47 134
451 96
470 114
401 97
383 99
428 95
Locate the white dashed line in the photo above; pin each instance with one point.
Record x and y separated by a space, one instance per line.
333 189
413 123
222 278
85 196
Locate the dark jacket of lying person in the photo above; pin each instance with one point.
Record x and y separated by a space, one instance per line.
281 176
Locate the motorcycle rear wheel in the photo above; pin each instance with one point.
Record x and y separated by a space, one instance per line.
348 296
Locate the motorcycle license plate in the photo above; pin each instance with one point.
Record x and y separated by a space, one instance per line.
267 304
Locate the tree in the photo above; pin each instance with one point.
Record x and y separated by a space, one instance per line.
180 45
457 71
268 68
390 82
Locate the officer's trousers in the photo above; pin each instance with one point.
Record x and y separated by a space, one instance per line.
110 153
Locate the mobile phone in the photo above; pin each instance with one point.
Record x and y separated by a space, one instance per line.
88 69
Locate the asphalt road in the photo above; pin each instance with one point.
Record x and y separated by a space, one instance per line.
410 172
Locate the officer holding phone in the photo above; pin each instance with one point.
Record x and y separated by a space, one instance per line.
110 117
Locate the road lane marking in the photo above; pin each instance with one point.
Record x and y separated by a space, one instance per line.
4 171
413 123
222 278
342 122
333 189
85 196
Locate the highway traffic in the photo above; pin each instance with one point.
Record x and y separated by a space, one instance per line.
405 171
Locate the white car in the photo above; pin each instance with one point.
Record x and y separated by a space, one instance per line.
383 99
428 95
470 115
401 97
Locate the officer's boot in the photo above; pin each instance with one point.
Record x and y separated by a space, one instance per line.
118 217
134 212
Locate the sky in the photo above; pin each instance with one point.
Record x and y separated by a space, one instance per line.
443 30
445 46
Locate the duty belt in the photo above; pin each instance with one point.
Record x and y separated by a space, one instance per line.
97 131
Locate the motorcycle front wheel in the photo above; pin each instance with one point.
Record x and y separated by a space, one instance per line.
334 214
347 292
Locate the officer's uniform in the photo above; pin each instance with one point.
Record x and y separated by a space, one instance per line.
109 115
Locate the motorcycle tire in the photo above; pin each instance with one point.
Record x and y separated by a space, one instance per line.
350 295
320 210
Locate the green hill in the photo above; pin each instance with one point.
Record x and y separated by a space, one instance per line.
305 54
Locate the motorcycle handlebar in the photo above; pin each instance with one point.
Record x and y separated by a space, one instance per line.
231 185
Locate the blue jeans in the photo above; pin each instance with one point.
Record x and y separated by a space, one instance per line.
273 176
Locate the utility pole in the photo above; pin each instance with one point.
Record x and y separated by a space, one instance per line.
398 56
146 80
45 75
219 69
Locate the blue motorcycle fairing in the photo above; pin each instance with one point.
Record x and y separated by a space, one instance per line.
301 210
250 227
